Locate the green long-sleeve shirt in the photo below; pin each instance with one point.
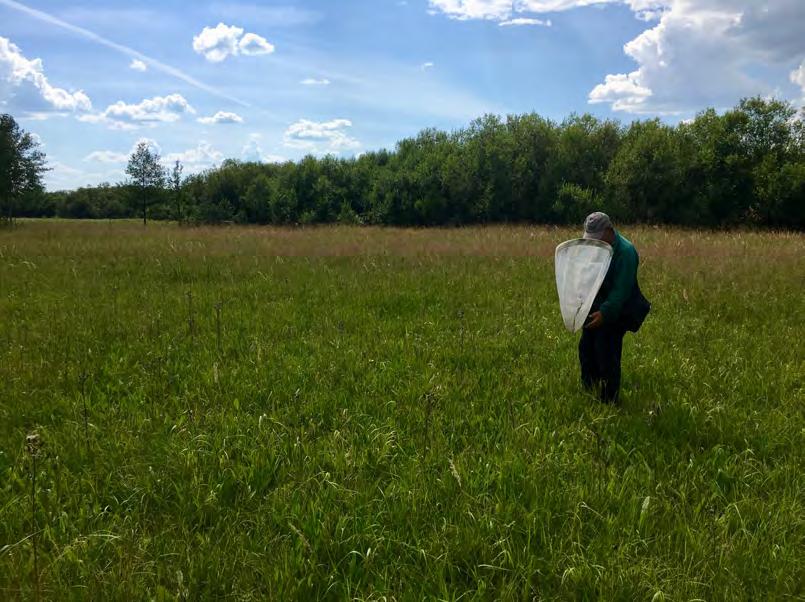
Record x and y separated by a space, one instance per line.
620 282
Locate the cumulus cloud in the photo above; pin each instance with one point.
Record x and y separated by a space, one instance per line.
202 156
218 43
194 159
320 137
798 77
693 54
221 117
138 65
703 53
25 87
253 45
114 157
160 109
311 81
253 152
622 91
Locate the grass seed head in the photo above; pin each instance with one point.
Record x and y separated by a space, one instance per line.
454 471
33 444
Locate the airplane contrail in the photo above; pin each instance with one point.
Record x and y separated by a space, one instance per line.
89 35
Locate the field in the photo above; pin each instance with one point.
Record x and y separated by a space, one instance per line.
346 413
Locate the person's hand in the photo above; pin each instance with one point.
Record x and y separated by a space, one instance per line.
596 320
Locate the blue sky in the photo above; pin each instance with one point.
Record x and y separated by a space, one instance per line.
212 79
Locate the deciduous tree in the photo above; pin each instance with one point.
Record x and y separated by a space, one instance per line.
176 188
147 176
22 165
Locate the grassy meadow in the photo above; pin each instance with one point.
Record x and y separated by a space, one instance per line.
378 414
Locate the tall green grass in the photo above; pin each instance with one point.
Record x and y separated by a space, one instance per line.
346 413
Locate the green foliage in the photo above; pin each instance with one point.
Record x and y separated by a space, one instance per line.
258 200
147 176
348 216
647 180
393 414
22 165
584 150
574 203
780 193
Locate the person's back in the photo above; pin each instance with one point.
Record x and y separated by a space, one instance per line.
619 307
621 280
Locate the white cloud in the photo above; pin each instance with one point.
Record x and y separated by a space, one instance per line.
253 45
622 91
798 77
310 81
218 43
705 54
113 157
202 156
696 53
94 37
502 10
109 165
160 109
522 21
194 159
497 10
221 117
138 65
320 137
427 66
24 85
253 152
152 144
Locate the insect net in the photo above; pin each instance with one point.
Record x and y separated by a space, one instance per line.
581 266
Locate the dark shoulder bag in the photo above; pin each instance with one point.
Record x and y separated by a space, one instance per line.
635 310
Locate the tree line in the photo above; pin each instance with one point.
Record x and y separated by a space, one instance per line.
745 166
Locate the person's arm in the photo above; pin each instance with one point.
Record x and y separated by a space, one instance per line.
621 288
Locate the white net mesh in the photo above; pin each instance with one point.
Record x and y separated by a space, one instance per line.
581 266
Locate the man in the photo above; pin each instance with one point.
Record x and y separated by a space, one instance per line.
618 308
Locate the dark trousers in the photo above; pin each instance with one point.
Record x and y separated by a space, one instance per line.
600 359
